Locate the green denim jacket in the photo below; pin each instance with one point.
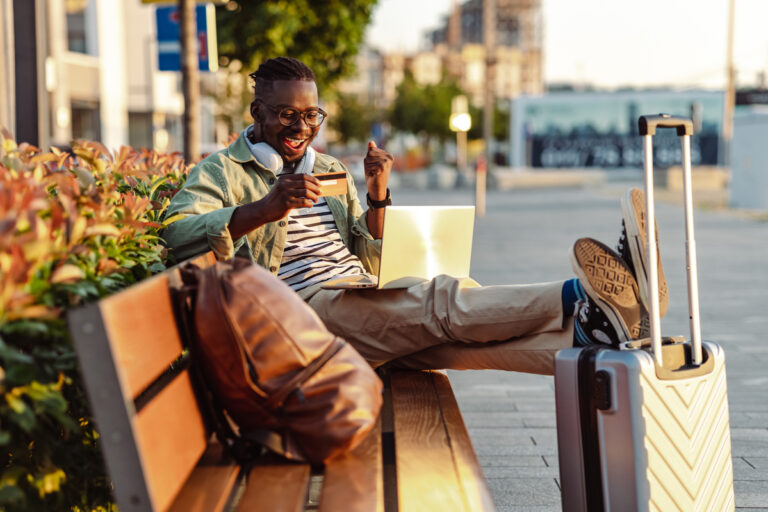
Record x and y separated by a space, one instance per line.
232 177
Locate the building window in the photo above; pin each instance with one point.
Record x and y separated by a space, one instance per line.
140 130
86 121
76 34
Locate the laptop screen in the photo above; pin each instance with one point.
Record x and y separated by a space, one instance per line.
426 241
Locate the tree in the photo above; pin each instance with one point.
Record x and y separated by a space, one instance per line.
353 120
407 111
423 110
324 34
500 122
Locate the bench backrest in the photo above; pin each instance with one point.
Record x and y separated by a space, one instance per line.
137 378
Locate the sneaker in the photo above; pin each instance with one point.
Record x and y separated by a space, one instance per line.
632 247
590 326
612 312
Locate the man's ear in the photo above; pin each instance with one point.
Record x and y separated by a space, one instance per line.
256 110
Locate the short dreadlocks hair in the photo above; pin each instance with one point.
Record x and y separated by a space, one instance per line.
280 68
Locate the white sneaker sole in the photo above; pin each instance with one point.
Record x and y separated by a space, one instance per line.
633 213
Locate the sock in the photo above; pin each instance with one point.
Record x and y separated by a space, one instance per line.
572 293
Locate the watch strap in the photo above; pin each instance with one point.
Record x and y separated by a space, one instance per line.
372 203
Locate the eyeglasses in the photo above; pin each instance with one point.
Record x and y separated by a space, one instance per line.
288 116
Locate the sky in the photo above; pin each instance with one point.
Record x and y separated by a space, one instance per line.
615 43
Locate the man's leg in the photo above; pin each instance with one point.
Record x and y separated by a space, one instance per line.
388 324
529 354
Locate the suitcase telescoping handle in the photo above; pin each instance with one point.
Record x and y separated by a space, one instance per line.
684 127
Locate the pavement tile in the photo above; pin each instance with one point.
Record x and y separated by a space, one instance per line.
551 461
744 469
506 436
485 405
750 493
518 472
746 448
539 419
492 461
493 419
517 508
525 492
749 419
484 447
760 463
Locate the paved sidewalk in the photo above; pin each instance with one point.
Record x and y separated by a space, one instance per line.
525 237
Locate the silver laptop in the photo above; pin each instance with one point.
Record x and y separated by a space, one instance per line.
419 243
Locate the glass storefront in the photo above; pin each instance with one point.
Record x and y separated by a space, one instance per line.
572 129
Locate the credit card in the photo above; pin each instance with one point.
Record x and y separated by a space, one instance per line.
332 183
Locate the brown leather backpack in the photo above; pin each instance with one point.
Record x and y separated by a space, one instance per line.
274 367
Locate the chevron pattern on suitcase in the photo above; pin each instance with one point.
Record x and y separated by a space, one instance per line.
688 442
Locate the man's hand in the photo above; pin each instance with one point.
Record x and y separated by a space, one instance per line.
377 164
291 191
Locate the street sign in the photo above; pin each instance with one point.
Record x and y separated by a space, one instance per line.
169 46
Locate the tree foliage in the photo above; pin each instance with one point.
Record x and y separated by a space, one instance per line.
353 120
423 109
324 34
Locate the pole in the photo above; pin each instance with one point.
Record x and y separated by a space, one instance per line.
480 187
461 151
730 93
30 119
489 37
190 79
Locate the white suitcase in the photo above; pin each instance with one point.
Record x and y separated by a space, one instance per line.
645 427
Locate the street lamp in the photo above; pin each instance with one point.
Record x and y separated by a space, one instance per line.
460 122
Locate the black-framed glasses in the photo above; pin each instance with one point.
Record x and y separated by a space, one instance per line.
288 116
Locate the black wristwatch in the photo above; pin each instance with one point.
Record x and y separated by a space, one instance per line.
379 204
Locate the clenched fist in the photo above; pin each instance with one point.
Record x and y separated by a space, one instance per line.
377 164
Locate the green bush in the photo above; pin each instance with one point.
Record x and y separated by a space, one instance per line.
74 227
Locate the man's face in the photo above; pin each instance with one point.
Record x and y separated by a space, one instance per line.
290 141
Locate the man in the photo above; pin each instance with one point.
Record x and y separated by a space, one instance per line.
259 199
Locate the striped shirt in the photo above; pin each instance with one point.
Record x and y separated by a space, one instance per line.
314 251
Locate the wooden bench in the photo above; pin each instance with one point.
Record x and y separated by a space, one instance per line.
161 456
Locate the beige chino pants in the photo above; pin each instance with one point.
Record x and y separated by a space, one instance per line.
452 323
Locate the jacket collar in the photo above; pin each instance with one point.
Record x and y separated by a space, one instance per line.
239 152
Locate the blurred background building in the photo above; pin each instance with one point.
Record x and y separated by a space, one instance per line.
455 49
91 67
96 75
599 129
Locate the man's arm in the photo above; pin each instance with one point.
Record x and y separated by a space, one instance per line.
377 164
290 191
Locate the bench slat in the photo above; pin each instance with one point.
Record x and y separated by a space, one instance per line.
427 476
470 472
209 486
276 488
171 438
144 345
354 482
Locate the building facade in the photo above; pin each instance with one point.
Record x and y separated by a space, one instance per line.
98 77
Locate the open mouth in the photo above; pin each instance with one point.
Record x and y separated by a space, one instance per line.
294 144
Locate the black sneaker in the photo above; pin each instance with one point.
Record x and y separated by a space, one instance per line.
632 247
590 325
612 314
